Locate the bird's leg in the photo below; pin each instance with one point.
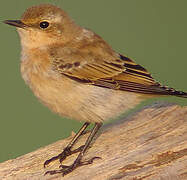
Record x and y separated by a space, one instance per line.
67 151
77 163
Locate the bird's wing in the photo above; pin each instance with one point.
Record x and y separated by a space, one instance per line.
137 79
88 67
115 72
118 72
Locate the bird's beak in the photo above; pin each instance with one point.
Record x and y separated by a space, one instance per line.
16 23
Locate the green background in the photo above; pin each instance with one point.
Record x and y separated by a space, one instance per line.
153 32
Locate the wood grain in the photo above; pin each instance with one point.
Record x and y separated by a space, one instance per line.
150 144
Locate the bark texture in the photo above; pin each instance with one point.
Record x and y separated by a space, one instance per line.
150 144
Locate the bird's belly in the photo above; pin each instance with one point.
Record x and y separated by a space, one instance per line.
79 101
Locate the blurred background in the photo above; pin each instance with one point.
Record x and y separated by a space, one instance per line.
153 33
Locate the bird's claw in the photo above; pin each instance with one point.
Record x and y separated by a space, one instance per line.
62 156
67 169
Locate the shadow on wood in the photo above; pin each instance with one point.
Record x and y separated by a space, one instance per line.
151 144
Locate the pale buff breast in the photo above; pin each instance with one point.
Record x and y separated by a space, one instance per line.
73 99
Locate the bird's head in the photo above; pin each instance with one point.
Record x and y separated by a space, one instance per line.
44 24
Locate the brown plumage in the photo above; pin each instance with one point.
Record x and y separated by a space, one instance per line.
78 75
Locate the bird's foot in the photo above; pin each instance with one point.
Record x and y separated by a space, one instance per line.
62 156
67 169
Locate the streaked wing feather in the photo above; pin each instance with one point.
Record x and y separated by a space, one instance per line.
137 79
136 71
122 74
90 70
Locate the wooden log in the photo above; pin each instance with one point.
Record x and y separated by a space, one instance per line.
150 144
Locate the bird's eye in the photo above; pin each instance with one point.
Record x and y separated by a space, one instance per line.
44 24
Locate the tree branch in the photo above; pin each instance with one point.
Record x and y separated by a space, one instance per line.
151 144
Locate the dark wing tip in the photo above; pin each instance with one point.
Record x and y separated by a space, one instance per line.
171 91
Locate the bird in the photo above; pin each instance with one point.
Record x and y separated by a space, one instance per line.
77 74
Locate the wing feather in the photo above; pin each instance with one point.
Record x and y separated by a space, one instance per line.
115 72
89 69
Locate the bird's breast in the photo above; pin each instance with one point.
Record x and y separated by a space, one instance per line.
73 99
